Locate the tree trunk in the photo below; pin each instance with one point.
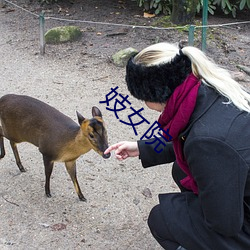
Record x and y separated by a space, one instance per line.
183 11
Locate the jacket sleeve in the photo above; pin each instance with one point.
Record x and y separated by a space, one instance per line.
149 157
221 175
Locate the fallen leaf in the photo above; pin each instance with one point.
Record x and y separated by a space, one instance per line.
58 227
147 15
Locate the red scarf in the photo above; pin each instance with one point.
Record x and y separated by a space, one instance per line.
175 117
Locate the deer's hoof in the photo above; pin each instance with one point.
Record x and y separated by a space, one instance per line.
48 195
82 198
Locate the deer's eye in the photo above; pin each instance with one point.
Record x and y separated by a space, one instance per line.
91 136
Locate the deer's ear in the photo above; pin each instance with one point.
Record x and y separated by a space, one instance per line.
96 112
80 118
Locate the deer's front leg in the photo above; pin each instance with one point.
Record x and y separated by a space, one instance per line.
71 168
48 165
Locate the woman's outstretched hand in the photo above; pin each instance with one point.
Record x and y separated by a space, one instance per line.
124 150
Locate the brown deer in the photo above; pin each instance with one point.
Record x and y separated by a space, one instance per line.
59 138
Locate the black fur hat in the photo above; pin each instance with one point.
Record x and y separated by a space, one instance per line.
156 83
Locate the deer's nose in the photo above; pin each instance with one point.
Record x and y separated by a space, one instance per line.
106 156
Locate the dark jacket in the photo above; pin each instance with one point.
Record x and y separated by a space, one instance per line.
216 145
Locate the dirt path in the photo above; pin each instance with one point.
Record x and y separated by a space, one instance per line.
76 77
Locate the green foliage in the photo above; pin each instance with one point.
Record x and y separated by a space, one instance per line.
211 7
244 4
226 6
165 6
157 6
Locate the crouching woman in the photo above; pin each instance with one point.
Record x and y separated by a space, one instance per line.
207 114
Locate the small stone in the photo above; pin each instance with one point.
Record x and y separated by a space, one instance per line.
62 34
2 3
147 193
121 58
44 225
136 201
239 76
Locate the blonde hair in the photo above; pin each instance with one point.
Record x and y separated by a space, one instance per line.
202 67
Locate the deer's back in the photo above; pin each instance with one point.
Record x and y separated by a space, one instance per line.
24 118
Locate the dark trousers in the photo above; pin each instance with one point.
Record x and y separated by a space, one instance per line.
156 221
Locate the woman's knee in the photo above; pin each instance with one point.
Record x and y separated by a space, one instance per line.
159 229
153 218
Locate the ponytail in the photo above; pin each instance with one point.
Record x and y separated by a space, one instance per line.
218 78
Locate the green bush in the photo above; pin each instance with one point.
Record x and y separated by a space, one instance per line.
165 6
211 7
232 6
156 6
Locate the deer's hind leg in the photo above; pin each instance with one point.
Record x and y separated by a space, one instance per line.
1 144
71 168
18 161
